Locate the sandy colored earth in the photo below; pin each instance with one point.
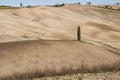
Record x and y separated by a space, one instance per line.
60 23
44 38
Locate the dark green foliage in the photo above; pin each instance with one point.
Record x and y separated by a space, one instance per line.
62 4
4 7
117 3
88 3
29 6
79 33
79 3
59 5
106 6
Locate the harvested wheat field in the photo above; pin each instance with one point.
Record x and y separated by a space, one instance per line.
41 41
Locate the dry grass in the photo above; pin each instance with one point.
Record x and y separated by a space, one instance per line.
33 59
64 70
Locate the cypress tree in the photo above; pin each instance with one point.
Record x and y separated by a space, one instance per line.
79 33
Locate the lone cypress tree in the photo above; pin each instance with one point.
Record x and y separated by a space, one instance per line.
21 4
79 33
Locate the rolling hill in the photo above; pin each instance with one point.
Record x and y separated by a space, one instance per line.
43 39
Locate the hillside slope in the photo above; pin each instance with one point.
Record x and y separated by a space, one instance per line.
18 58
61 23
43 39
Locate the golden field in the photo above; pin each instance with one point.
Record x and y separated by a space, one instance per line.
41 41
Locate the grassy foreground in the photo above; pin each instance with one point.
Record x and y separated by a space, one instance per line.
88 76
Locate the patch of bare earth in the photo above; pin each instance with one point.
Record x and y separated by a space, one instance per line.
88 76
